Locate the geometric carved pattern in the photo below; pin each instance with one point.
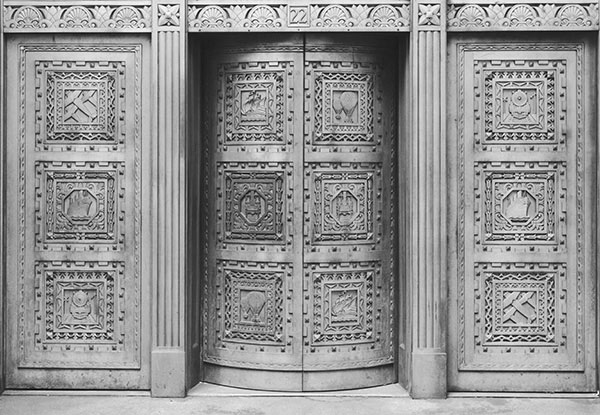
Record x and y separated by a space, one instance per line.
254 105
343 203
81 306
522 102
81 105
520 202
342 306
80 203
253 304
522 106
253 203
520 307
343 108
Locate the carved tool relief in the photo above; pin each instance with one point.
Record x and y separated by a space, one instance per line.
80 104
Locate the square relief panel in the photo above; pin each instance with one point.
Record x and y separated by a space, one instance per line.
80 205
80 103
342 304
344 201
520 306
253 304
80 305
343 108
522 102
522 203
253 201
254 103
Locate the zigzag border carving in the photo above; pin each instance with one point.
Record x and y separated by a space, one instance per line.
126 18
478 17
292 17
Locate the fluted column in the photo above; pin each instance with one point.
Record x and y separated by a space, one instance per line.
169 198
427 200
2 213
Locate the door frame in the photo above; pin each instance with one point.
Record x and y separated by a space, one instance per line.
196 174
590 67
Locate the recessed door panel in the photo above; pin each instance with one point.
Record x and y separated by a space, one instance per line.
524 271
300 267
77 292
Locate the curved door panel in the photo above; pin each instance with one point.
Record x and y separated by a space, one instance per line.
299 213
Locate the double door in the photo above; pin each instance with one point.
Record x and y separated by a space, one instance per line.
299 145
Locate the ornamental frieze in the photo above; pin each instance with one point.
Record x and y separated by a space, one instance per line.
103 18
326 17
495 16
217 16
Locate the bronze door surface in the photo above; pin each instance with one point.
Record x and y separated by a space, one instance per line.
300 142
522 293
78 297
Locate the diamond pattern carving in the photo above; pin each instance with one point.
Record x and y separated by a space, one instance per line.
80 204
522 202
80 104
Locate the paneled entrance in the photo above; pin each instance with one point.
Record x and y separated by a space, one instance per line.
523 288
78 282
300 272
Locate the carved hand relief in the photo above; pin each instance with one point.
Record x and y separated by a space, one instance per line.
522 203
522 102
520 306
343 203
256 101
254 203
253 303
80 204
343 108
80 104
81 307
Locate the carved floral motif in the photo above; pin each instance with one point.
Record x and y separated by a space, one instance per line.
332 16
538 16
168 15
430 14
77 17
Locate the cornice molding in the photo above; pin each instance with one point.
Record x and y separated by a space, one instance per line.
296 17
511 16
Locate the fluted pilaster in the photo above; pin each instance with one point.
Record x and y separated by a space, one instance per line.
2 213
427 190
169 45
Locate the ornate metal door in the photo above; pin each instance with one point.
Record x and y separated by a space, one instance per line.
300 147
522 315
77 307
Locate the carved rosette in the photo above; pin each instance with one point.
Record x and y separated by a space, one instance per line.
135 18
331 17
466 17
